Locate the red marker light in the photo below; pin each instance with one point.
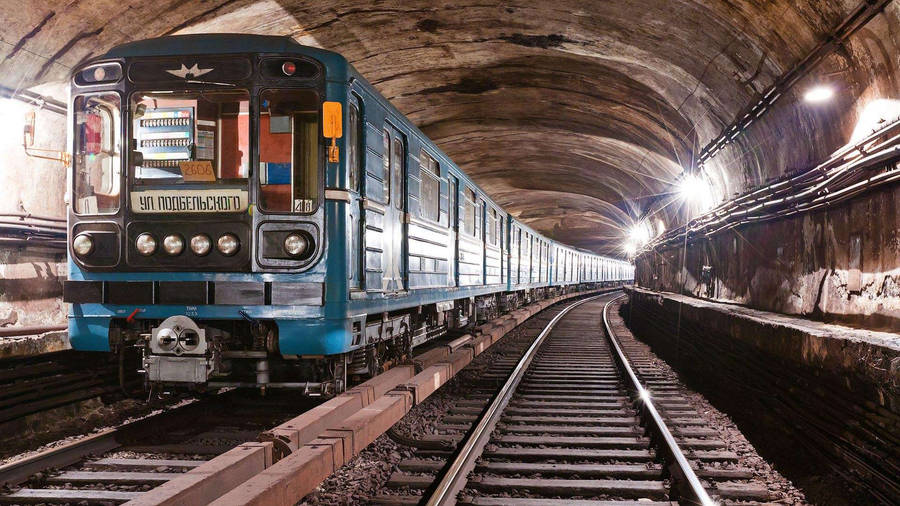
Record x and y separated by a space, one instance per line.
288 68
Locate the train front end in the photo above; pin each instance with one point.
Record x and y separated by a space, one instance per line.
197 215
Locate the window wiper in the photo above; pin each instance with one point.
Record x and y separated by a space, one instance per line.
195 81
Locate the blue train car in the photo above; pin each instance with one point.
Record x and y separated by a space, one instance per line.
247 211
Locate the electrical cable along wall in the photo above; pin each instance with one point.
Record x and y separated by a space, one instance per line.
837 262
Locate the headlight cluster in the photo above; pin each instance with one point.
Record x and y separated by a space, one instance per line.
173 244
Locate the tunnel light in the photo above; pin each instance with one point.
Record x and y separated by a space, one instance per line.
630 248
639 234
695 191
12 112
691 187
876 115
819 94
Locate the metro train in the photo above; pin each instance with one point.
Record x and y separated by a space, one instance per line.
248 211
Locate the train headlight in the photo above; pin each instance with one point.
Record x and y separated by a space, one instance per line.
228 244
82 245
201 244
189 340
173 244
295 245
166 339
145 244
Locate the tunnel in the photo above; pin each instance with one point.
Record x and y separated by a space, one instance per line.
730 166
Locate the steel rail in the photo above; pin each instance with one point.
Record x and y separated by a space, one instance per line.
18 471
456 476
695 492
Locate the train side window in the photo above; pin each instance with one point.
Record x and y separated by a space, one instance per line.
289 149
469 219
354 136
386 166
528 248
430 187
492 227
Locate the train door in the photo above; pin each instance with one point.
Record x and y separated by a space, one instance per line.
356 149
393 275
453 219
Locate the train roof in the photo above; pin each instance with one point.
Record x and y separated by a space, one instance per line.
216 43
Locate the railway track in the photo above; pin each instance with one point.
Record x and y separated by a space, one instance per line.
578 418
120 464
44 382
179 448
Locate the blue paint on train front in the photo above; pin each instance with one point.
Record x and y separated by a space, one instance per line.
88 333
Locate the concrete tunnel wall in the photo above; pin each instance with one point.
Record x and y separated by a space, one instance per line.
798 266
31 276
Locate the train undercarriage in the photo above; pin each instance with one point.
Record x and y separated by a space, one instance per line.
179 353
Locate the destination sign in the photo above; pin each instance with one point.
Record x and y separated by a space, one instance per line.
218 200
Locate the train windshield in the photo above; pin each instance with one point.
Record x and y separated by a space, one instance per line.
97 147
190 137
289 150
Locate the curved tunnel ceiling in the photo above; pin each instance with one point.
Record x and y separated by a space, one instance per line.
571 114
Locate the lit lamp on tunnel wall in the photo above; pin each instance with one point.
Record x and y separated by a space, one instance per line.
695 192
818 94
638 235
12 111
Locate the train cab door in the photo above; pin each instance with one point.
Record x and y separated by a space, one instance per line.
393 251
454 231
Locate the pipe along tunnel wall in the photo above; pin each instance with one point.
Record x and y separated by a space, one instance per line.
821 401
